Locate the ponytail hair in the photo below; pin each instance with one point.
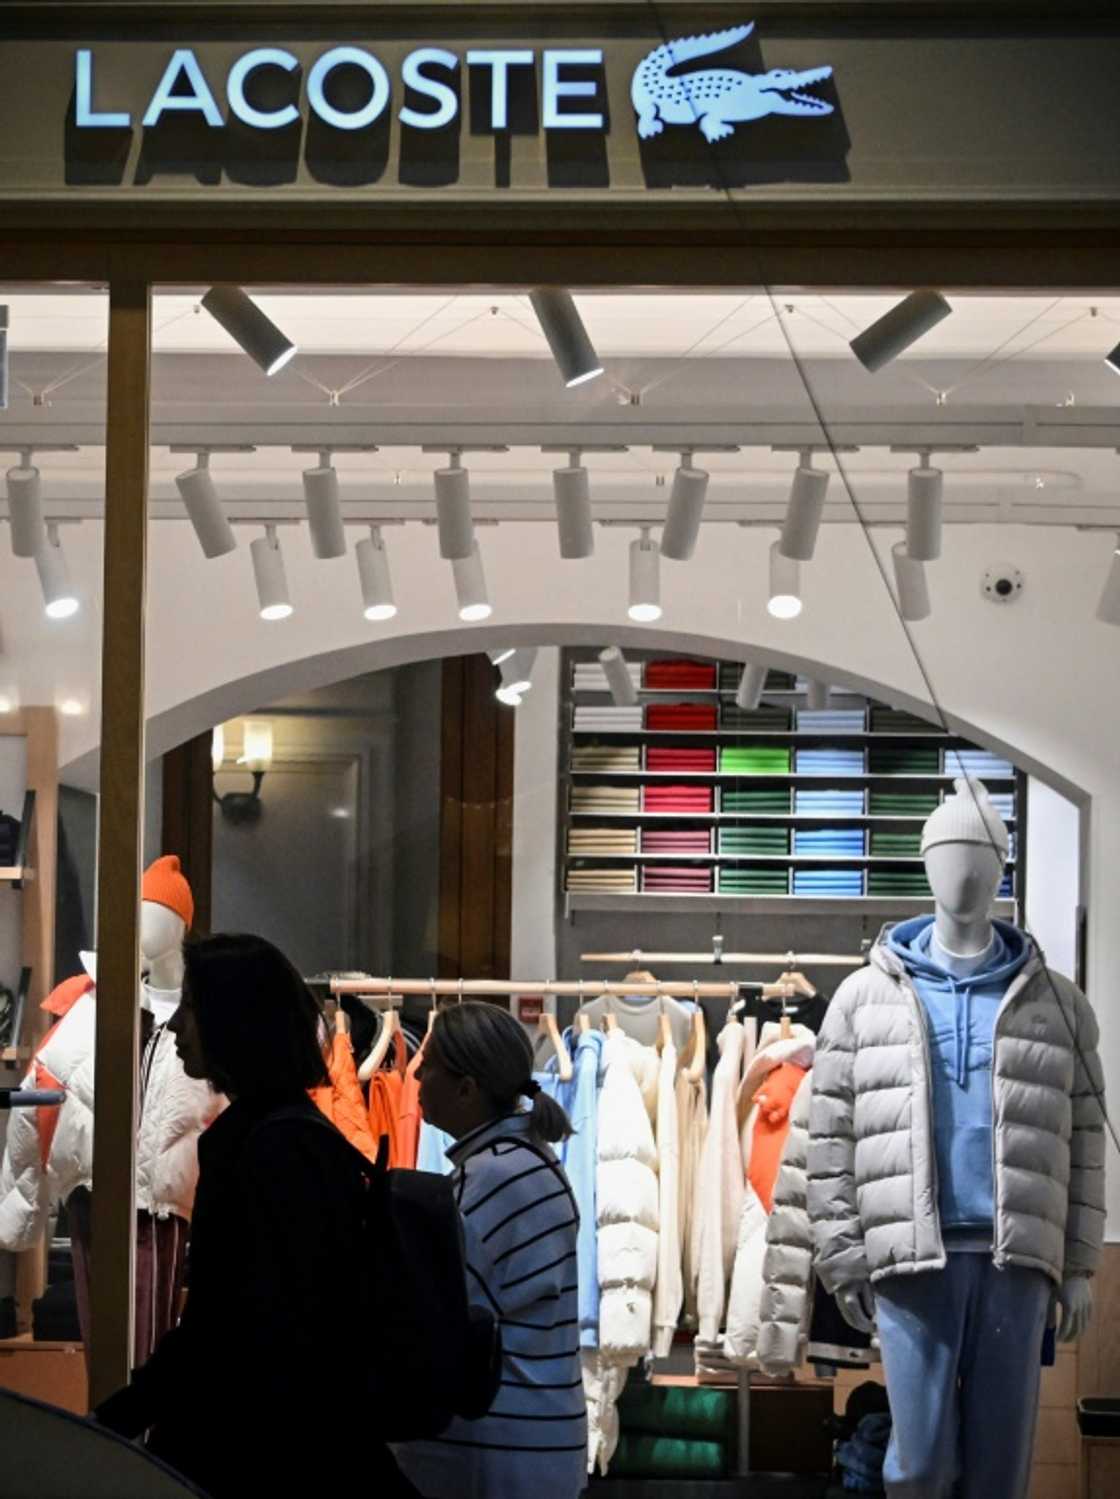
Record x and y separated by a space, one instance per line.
484 1041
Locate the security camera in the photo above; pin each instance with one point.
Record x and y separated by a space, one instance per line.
1002 583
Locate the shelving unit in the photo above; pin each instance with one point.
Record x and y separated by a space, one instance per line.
867 777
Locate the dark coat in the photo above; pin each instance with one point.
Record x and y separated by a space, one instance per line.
250 1393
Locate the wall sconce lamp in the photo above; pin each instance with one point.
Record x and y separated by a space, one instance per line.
242 807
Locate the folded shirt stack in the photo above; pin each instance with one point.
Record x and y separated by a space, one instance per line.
897 882
589 676
681 676
606 757
775 802
830 721
615 881
1003 802
829 803
672 757
828 882
898 721
901 803
747 841
673 798
731 671
677 841
760 720
754 760
590 841
609 718
736 881
896 845
1006 887
690 717
712 1365
841 843
660 1457
830 762
606 798
683 879
976 762
904 760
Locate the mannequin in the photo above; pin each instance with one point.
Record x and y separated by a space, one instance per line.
951 1199
48 1153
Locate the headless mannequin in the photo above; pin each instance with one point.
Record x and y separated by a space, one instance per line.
161 946
964 878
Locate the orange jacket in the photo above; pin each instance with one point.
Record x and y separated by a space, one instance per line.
341 1100
386 1095
771 1129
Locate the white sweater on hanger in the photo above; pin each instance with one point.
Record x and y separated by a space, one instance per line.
721 1186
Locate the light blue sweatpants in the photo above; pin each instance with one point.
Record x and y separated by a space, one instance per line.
961 1354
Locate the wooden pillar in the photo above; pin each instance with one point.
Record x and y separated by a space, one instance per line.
476 826
120 835
188 821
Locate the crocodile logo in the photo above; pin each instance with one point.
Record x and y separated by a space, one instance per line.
717 99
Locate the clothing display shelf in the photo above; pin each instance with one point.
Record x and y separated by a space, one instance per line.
814 776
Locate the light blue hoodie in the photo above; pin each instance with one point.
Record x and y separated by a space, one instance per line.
961 998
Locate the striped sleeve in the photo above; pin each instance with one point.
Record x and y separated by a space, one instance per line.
520 1222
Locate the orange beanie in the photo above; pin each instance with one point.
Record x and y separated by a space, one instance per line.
165 885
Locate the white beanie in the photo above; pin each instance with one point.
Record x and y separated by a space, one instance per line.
967 817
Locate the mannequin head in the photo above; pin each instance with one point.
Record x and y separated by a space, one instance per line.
965 844
964 878
161 945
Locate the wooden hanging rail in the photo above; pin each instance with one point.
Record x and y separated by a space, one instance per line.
706 959
581 988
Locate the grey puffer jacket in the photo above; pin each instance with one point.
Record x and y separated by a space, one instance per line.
872 1170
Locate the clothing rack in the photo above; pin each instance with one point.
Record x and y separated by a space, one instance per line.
581 988
717 956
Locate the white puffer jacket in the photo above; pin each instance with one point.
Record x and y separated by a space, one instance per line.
48 1154
786 1307
749 1277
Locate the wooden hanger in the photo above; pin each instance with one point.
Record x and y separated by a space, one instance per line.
582 1022
390 1029
664 1032
787 1027
699 1058
341 1022
546 1026
610 1022
797 981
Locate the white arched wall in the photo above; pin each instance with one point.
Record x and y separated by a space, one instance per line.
1037 678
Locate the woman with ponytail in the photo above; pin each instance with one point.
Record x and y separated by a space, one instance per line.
520 1222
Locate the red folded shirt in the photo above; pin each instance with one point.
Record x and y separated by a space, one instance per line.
689 716
664 757
697 675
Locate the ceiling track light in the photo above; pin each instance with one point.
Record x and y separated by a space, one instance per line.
897 329
470 587
1112 360
204 509
453 510
645 580
503 653
1108 609
517 670
272 581
686 510
59 598
571 487
375 577
785 585
621 684
748 694
25 508
324 508
816 695
924 511
3 359
911 584
252 330
804 510
563 327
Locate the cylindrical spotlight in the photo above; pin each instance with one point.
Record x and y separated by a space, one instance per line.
248 326
324 510
686 510
25 511
748 694
59 597
3 359
517 670
470 587
785 585
572 488
204 509
373 570
910 581
1113 360
897 329
562 325
453 513
803 513
645 581
1108 609
272 581
923 514
816 695
503 653
619 680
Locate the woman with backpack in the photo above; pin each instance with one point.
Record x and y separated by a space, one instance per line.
241 1397
520 1222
